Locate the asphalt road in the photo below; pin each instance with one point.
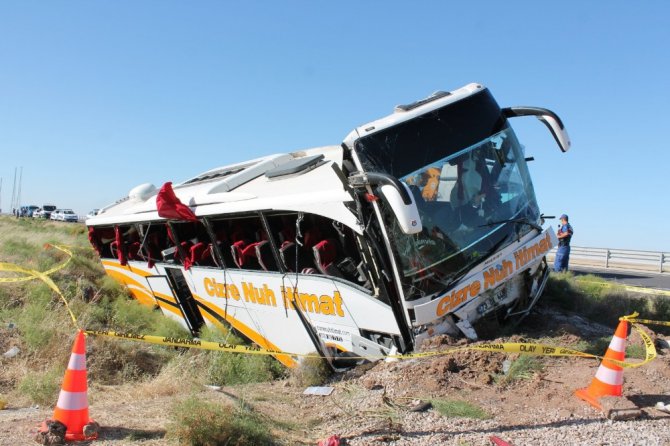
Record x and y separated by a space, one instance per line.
632 278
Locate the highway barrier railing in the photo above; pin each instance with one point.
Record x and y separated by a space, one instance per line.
657 261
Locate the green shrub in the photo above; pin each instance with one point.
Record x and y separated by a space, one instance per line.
460 409
37 319
602 301
42 387
661 308
117 362
312 371
200 423
77 229
164 326
19 248
524 367
214 334
597 346
83 266
110 286
96 316
238 368
635 351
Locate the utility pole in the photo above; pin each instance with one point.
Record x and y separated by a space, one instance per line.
18 194
13 202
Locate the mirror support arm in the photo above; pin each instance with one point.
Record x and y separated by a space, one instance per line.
548 117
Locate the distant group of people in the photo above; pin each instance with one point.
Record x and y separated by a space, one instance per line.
19 213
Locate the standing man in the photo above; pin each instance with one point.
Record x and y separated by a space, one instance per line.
564 235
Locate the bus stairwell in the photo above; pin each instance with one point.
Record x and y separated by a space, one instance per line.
187 303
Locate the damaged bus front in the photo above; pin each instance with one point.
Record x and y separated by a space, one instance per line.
458 214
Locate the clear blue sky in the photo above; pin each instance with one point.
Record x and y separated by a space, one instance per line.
99 96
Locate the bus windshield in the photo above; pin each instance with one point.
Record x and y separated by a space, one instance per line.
473 200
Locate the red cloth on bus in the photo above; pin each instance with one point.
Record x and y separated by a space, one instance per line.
120 252
93 238
170 207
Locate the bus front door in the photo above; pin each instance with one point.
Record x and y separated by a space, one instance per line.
175 299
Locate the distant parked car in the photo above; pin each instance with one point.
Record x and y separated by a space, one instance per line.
45 212
93 213
69 215
64 215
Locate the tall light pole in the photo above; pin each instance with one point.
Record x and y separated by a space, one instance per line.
18 193
12 204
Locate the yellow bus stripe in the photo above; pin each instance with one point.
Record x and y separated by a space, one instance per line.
116 264
167 297
119 276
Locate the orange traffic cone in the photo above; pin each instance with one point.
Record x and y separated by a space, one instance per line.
72 406
609 377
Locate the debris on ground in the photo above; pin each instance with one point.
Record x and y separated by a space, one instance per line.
618 408
498 441
53 435
420 406
318 390
11 353
662 407
333 440
91 430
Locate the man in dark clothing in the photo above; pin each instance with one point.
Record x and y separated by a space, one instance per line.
564 235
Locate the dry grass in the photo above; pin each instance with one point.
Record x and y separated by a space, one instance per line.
201 423
179 376
603 301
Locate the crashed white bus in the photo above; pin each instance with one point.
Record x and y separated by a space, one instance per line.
420 223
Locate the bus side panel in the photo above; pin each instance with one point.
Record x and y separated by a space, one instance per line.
266 303
133 277
354 310
251 303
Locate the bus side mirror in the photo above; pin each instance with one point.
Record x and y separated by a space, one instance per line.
407 215
549 118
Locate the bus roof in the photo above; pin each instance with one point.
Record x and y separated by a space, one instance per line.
304 181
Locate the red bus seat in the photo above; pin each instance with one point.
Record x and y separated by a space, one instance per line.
325 254
244 254
201 254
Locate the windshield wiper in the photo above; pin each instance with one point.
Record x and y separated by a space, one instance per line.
524 220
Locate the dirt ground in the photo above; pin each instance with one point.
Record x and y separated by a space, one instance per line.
371 404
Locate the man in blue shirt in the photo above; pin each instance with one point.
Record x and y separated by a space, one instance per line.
564 235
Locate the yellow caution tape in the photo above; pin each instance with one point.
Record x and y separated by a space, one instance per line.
192 343
648 322
523 348
29 276
631 288
44 278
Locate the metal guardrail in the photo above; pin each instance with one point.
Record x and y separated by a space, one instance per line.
658 261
